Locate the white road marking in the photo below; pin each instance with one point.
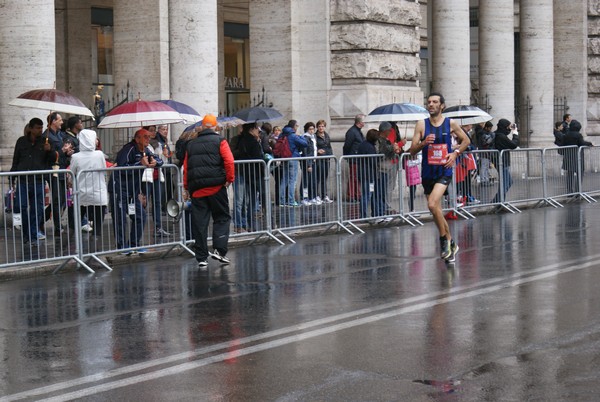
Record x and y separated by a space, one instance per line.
374 314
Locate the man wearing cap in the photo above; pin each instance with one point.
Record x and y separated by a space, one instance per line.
208 171
126 188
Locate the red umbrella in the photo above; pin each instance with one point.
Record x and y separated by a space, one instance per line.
52 100
140 113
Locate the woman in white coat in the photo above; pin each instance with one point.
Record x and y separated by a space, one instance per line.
92 191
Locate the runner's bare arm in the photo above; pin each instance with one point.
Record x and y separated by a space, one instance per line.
417 143
462 139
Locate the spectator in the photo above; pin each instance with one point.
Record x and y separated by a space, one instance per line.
58 185
502 142
484 140
249 148
126 188
387 167
573 137
32 152
154 181
92 191
309 188
209 171
240 202
566 123
354 137
290 167
367 168
322 165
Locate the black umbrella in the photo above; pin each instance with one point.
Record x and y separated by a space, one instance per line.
257 113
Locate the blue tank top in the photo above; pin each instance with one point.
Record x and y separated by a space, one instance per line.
442 135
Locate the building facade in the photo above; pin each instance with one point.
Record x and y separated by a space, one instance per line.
528 61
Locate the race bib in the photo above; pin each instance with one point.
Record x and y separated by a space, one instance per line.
437 154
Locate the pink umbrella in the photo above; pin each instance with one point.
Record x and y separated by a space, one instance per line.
140 113
52 100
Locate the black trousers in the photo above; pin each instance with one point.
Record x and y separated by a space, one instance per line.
217 206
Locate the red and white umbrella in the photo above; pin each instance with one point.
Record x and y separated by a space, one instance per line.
51 100
140 113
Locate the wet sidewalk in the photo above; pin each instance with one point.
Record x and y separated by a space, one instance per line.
375 316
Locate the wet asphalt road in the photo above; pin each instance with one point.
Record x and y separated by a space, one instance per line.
376 316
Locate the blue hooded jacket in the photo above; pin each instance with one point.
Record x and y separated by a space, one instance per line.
297 143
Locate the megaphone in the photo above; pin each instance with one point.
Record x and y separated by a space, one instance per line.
175 208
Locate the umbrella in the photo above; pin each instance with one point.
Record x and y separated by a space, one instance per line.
52 100
189 114
397 112
140 113
467 114
256 113
222 122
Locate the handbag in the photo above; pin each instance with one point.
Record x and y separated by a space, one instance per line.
413 175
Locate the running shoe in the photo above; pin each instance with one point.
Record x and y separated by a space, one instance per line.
217 256
445 246
453 251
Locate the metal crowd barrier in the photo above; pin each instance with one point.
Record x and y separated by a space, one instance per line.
46 218
589 172
302 193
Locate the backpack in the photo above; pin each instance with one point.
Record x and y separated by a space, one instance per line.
282 147
487 139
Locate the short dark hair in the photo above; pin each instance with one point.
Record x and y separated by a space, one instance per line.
73 120
566 116
442 100
292 123
558 125
267 127
372 135
488 124
52 117
35 122
309 125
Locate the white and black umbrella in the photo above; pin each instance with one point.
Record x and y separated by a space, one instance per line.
467 114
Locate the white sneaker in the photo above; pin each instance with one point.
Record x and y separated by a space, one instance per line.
316 202
327 200
217 256
318 199
86 228
306 201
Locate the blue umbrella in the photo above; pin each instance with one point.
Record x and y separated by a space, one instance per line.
188 113
397 112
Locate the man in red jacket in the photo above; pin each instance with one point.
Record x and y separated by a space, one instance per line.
208 172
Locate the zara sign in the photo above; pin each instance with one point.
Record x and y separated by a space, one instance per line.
234 83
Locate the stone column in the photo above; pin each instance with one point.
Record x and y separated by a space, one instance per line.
450 53
593 68
537 69
570 57
78 56
497 57
27 61
289 56
374 59
194 55
141 47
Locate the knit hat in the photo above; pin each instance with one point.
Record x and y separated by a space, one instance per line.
503 124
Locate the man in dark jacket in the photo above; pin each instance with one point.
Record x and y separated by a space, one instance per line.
32 152
354 137
249 148
502 142
573 138
209 171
